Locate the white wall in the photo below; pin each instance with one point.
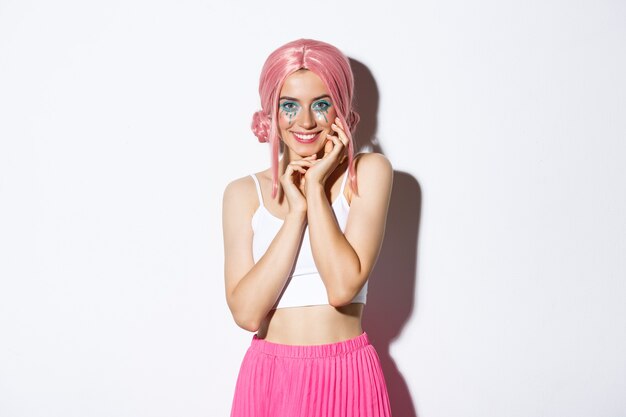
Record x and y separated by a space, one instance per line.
500 288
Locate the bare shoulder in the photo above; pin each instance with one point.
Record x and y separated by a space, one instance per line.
373 161
240 194
374 172
239 186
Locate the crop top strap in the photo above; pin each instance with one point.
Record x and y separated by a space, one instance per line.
258 188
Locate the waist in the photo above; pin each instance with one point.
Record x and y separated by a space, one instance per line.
312 325
310 351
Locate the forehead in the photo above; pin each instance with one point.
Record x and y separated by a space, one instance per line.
303 85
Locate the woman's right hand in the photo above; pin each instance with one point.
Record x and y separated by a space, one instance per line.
292 182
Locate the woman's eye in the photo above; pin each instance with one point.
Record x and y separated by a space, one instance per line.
321 106
289 107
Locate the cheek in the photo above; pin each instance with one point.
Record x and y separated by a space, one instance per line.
286 120
327 117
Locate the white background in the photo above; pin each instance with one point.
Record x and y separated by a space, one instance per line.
500 289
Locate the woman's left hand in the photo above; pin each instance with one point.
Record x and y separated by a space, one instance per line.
335 151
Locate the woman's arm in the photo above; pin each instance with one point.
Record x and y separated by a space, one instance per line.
345 260
252 289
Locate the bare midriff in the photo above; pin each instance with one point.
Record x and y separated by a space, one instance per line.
312 325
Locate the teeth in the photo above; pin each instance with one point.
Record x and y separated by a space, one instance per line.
305 137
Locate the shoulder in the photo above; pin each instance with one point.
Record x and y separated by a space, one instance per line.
372 162
240 192
374 174
238 186
373 170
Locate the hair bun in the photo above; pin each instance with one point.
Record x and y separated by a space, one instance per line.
261 126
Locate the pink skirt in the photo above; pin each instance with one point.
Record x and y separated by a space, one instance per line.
342 379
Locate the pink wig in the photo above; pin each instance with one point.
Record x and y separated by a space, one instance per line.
333 68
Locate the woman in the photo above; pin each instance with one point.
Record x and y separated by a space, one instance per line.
298 256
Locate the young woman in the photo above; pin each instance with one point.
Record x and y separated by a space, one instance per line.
298 256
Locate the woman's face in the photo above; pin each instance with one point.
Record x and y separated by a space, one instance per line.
305 114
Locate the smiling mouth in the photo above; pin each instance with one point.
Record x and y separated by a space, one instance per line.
306 138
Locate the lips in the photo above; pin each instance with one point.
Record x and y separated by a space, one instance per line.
305 137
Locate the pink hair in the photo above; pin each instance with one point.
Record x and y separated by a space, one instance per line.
333 68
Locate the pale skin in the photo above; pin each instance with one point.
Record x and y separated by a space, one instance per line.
310 178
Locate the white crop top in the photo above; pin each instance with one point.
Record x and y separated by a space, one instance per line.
304 286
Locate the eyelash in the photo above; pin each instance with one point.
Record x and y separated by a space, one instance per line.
286 106
287 109
327 105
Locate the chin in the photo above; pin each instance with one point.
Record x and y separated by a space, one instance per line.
309 152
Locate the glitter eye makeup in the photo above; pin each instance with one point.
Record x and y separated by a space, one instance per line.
290 109
321 109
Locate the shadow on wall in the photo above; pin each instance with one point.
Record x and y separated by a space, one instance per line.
391 287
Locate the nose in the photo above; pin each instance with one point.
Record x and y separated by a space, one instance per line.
308 119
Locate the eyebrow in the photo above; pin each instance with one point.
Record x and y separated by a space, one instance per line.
295 99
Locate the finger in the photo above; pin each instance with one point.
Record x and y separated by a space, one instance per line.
301 162
288 172
339 150
300 169
341 133
338 145
329 145
293 168
339 123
